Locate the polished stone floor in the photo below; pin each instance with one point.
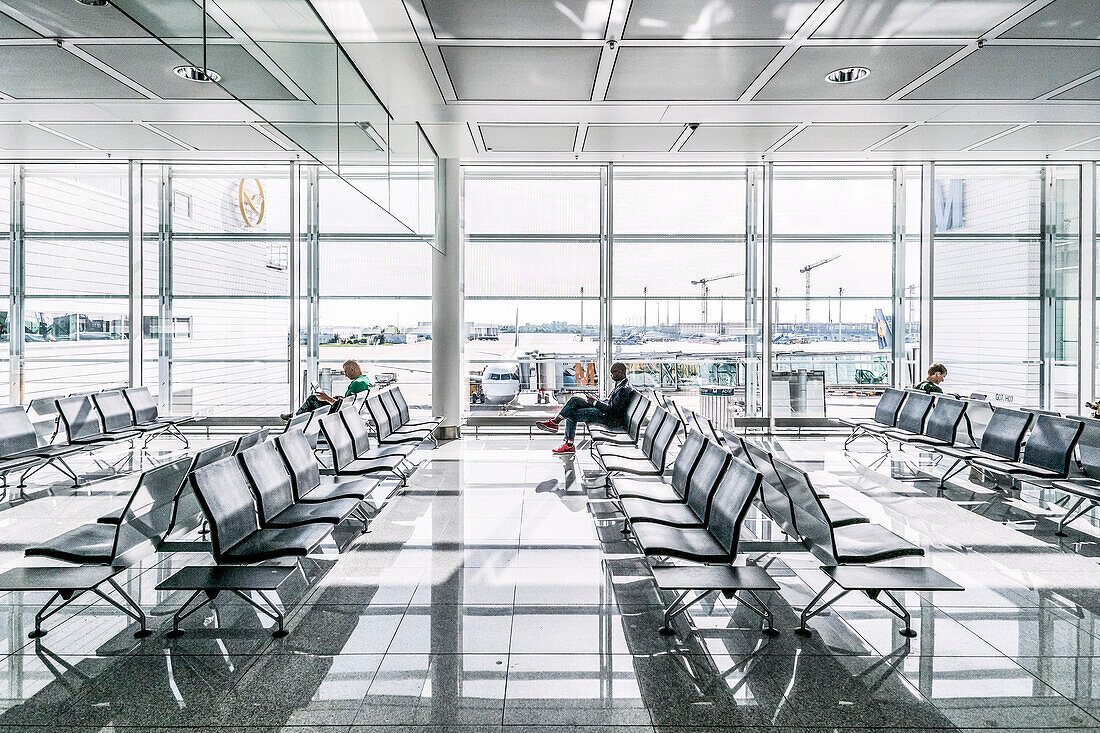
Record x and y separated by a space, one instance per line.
485 598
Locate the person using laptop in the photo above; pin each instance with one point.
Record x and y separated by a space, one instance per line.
359 383
611 413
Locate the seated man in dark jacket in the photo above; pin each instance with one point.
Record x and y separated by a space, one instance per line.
590 410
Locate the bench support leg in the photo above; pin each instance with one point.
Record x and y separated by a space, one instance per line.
180 615
1074 513
953 469
896 609
809 612
49 609
677 607
131 609
760 608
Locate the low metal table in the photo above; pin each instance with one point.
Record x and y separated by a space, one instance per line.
237 579
68 584
712 578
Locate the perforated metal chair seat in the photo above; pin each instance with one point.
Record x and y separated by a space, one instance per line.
401 450
370 464
1015 468
907 437
608 450
271 543
859 423
357 489
672 515
875 427
869 543
400 435
1086 487
13 462
962 451
638 466
842 515
87 544
47 451
329 512
611 438
650 488
695 544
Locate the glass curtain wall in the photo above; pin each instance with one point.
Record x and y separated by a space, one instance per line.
532 263
679 269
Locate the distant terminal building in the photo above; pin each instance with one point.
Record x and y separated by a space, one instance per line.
483 331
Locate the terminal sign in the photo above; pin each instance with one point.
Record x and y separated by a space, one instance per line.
250 199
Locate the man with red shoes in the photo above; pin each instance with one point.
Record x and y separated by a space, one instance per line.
611 413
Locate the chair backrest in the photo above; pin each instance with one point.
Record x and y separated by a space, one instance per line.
658 452
736 446
313 428
248 440
704 480
227 501
944 421
1004 435
685 462
305 474
914 412
339 441
149 513
351 402
17 433
730 504
706 427
357 429
297 424
393 411
774 500
142 405
678 413
1051 443
813 524
187 514
659 398
379 416
654 427
637 416
402 405
269 477
886 412
114 409
79 416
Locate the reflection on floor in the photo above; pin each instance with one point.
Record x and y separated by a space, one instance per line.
485 596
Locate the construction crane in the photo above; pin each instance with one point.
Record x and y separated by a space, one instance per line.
806 271
706 290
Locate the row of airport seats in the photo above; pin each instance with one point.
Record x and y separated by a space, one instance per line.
697 515
89 422
261 499
1033 447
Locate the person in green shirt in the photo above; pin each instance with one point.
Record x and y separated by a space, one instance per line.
931 384
359 383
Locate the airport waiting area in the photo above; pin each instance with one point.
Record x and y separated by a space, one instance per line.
596 366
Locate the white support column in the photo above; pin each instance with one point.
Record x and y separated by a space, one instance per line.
767 310
137 276
16 302
313 275
294 342
165 320
606 350
927 262
1086 367
448 294
753 380
900 379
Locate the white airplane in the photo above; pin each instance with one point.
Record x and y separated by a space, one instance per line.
500 379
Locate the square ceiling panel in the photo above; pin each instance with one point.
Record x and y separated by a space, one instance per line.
697 73
152 67
916 18
717 18
520 19
529 138
232 138
631 138
938 138
892 68
838 138
112 136
162 18
734 138
28 137
323 138
11 29
1044 138
1061 19
242 75
1010 72
1089 90
557 73
57 74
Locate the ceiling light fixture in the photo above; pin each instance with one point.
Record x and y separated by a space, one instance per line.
848 75
94 3
195 73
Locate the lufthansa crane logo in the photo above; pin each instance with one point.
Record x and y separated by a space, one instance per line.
250 199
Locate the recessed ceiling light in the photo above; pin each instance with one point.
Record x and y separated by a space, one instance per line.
194 73
848 75
94 3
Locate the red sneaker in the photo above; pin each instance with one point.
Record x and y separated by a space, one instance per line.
565 448
548 426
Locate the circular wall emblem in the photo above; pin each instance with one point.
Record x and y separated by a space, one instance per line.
250 199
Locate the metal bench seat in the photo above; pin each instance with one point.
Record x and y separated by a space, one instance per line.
660 415
348 460
702 484
628 434
653 488
886 416
652 459
398 412
1048 452
1002 439
840 514
305 475
88 543
145 413
227 501
270 480
939 429
388 423
695 543
864 543
1016 468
